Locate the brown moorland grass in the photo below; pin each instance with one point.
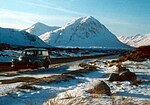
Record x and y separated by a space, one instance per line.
18 79
27 86
140 54
50 79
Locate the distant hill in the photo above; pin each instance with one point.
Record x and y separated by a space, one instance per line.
83 32
40 28
136 41
140 54
19 38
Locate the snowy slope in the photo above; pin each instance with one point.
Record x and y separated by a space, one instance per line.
75 90
83 32
14 37
40 28
136 41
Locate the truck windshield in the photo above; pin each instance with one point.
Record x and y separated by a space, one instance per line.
35 53
30 53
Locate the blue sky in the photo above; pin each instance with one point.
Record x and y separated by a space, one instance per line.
121 17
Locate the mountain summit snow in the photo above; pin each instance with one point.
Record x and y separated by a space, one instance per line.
83 32
40 28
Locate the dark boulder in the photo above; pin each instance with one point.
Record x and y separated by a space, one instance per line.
87 66
127 76
83 64
120 69
114 77
100 88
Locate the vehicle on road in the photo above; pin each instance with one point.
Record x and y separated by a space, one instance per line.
32 58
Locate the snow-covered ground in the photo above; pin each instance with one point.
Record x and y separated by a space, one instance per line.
75 90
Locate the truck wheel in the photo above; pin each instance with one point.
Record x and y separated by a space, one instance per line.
46 66
46 63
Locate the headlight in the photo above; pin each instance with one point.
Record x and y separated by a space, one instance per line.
20 59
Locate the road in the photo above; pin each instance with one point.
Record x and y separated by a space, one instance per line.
6 66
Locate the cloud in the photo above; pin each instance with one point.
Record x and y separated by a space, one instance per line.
29 17
21 16
17 19
16 26
48 5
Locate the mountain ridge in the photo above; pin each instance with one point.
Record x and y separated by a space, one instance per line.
136 41
20 38
82 32
40 28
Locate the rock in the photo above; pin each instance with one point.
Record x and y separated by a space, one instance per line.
87 66
114 77
90 67
100 88
127 76
109 64
83 64
137 82
27 86
120 69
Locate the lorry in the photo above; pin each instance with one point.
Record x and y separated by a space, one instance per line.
32 58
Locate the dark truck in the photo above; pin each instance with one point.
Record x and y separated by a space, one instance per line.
32 58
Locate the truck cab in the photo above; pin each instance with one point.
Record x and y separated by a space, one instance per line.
32 58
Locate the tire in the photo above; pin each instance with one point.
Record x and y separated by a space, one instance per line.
46 66
46 63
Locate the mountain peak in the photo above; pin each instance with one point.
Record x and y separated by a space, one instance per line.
40 28
88 18
39 24
88 22
84 19
82 32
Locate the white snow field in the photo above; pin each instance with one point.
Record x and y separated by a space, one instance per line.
75 90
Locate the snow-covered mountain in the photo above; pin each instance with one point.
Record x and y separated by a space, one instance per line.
83 32
136 41
20 38
40 28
